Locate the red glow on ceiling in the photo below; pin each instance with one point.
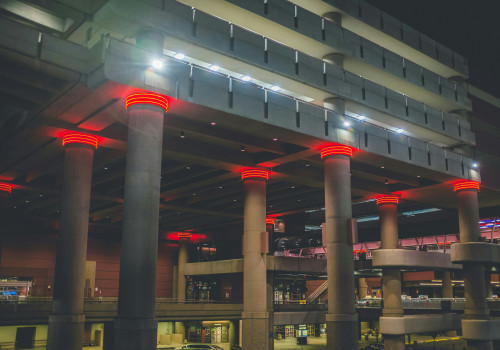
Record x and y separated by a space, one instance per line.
466 185
254 173
147 99
193 237
381 200
5 187
336 150
270 221
80 138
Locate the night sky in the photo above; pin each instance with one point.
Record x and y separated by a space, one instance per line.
471 28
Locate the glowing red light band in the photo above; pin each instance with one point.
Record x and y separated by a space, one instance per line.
80 138
270 221
5 187
147 99
466 185
335 150
387 200
253 173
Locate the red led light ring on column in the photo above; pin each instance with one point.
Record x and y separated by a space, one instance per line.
5 187
335 150
80 138
147 99
254 173
466 185
270 221
393 200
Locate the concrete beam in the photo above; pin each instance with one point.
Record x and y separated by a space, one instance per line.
412 258
419 323
481 329
476 252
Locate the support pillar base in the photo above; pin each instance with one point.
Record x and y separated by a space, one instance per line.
342 331
65 332
135 333
479 345
394 342
257 328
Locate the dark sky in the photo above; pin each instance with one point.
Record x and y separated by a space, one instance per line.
471 28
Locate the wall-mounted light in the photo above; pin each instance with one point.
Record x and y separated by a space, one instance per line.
246 78
157 64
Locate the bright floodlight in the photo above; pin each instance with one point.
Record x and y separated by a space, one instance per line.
275 88
400 131
179 56
157 64
246 78
214 68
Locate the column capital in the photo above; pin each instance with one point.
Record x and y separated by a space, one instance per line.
81 139
147 98
334 150
466 185
254 173
270 221
387 200
4 187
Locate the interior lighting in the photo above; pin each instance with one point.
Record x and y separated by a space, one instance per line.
270 221
254 173
214 68
275 88
179 56
246 78
400 131
5 187
157 64
336 150
80 138
361 117
347 124
475 165
466 185
381 200
148 99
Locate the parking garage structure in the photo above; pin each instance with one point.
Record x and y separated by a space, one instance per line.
278 88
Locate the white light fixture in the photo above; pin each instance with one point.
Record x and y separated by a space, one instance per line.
347 124
475 165
361 117
400 131
179 56
157 64
275 88
246 78
214 68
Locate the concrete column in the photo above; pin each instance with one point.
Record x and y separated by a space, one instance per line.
362 288
257 315
66 321
487 282
476 306
447 285
341 319
391 277
135 326
182 260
